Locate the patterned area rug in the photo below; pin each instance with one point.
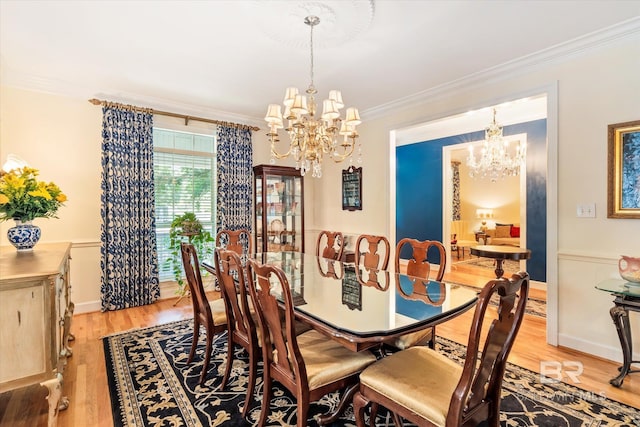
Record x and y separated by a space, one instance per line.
151 385
535 307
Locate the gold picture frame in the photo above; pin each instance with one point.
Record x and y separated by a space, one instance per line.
623 192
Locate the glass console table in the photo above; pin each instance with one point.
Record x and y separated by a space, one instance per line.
627 298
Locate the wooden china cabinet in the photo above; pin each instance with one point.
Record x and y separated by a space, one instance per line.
279 209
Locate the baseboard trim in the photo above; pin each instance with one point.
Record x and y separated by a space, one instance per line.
613 353
167 291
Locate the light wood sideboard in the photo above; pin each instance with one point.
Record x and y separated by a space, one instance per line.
35 320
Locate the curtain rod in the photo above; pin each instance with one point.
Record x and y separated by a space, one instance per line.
186 118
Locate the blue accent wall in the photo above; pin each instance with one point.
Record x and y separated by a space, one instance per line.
419 190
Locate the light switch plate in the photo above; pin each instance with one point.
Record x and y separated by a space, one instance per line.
586 210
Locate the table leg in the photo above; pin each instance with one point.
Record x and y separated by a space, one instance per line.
346 399
620 316
499 271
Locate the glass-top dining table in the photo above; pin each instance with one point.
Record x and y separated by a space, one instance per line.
361 308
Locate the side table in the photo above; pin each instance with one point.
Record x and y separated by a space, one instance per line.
500 253
627 299
481 235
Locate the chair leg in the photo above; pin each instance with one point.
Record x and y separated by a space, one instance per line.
207 357
266 396
253 372
397 420
194 341
493 417
373 414
359 403
432 342
303 410
227 369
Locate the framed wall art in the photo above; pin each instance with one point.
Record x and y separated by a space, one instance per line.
352 189
624 170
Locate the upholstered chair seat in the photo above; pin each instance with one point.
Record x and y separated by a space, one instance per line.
391 374
327 361
412 339
218 312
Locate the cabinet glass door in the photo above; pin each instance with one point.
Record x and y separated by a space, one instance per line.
279 211
284 226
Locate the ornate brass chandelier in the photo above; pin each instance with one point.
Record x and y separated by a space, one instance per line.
312 137
495 161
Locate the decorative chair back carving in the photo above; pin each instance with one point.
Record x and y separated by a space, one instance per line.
238 241
330 245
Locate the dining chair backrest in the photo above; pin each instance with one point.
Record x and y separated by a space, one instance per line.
191 265
238 241
482 373
418 265
241 325
330 245
367 247
231 277
277 335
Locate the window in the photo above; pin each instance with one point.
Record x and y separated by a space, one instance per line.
184 175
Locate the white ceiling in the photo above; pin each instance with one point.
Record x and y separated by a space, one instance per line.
229 59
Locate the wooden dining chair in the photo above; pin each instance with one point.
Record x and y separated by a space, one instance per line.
309 365
429 389
420 268
238 241
212 315
330 245
369 260
241 324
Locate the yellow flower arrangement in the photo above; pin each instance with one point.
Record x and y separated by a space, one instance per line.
24 198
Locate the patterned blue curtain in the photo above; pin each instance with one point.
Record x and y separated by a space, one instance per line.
235 182
129 256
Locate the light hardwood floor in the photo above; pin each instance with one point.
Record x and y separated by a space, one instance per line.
86 386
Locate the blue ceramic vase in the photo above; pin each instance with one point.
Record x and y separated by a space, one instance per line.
24 235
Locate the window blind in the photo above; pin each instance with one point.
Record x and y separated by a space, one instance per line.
184 177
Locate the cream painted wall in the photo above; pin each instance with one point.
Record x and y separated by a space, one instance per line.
595 88
61 137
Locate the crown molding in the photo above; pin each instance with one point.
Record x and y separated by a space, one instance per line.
556 54
64 88
553 55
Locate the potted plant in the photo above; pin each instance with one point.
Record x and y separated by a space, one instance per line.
187 228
